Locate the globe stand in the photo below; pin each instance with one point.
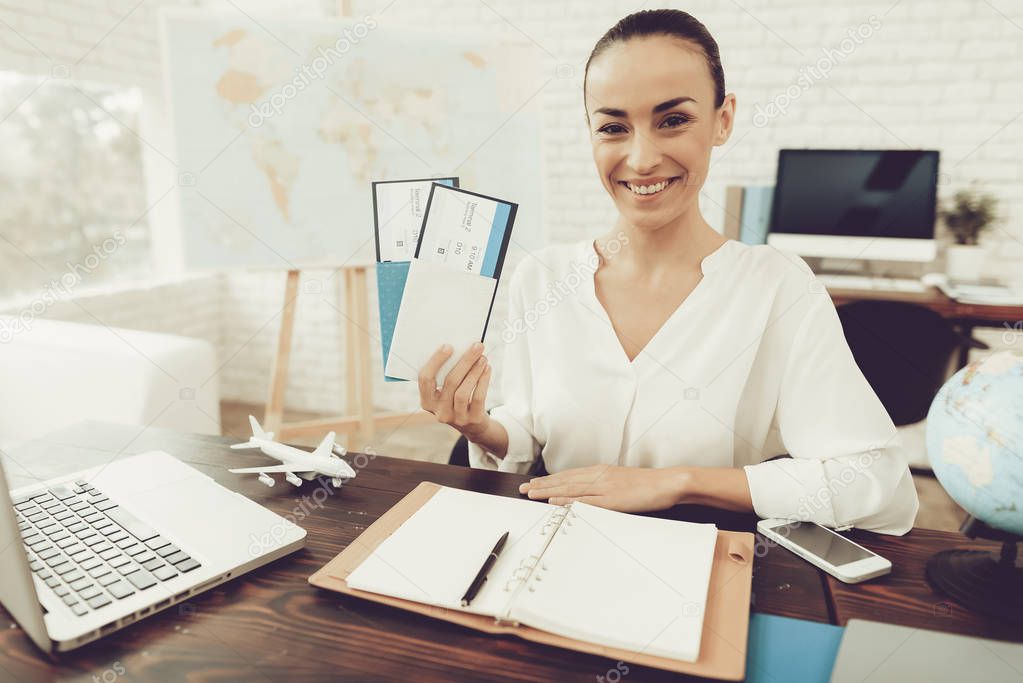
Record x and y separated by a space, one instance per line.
982 581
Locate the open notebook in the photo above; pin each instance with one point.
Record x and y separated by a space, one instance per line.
582 572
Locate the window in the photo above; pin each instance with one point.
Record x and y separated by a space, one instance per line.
72 193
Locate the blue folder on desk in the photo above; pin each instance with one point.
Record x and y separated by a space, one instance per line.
784 650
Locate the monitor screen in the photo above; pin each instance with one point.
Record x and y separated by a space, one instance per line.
855 193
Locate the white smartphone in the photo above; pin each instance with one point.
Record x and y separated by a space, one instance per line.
837 555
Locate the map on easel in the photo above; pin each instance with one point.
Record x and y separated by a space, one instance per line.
279 130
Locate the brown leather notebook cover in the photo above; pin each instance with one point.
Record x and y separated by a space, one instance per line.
722 645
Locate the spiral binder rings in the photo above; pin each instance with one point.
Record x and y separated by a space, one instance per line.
556 562
555 521
531 567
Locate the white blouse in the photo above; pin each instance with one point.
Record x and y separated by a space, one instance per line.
752 365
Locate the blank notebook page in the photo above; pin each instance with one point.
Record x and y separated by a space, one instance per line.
435 554
620 580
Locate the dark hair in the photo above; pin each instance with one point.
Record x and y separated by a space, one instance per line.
665 22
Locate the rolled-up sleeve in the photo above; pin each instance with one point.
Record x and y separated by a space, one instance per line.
847 467
515 414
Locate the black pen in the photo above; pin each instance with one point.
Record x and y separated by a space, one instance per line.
481 575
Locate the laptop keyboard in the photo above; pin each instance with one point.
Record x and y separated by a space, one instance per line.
90 551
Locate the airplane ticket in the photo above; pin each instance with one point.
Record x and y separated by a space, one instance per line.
398 208
465 230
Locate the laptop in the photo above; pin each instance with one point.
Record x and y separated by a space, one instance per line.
86 554
872 652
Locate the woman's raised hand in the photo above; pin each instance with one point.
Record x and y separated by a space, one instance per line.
460 401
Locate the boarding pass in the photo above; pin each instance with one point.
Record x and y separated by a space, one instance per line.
466 231
398 208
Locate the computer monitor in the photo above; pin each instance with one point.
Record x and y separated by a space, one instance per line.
856 204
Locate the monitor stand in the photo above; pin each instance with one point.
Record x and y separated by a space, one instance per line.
842 266
898 270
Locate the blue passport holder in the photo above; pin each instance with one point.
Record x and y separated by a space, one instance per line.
391 276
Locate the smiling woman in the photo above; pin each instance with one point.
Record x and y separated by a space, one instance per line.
661 363
652 153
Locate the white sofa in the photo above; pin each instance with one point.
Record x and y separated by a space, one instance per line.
55 373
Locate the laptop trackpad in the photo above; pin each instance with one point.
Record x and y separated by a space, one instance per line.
213 524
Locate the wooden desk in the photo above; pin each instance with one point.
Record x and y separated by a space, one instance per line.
935 299
903 598
271 625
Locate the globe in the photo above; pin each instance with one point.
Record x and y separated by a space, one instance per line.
975 440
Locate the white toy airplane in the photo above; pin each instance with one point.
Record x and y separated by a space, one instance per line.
324 460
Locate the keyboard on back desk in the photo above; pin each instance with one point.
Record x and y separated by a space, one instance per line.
89 551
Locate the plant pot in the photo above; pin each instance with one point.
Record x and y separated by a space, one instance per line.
965 262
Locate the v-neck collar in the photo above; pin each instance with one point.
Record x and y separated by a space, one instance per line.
708 265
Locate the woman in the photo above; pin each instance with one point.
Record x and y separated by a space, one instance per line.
661 363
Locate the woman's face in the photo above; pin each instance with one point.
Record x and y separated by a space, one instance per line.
653 124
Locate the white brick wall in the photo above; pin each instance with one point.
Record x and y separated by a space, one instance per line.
191 306
40 35
943 75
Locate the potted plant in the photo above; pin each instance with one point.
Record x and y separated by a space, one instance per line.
968 214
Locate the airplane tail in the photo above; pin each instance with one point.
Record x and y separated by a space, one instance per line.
257 434
257 430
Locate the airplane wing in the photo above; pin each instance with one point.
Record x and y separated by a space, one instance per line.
243 446
326 446
272 469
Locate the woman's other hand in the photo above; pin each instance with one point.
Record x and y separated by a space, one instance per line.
460 401
644 489
626 489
